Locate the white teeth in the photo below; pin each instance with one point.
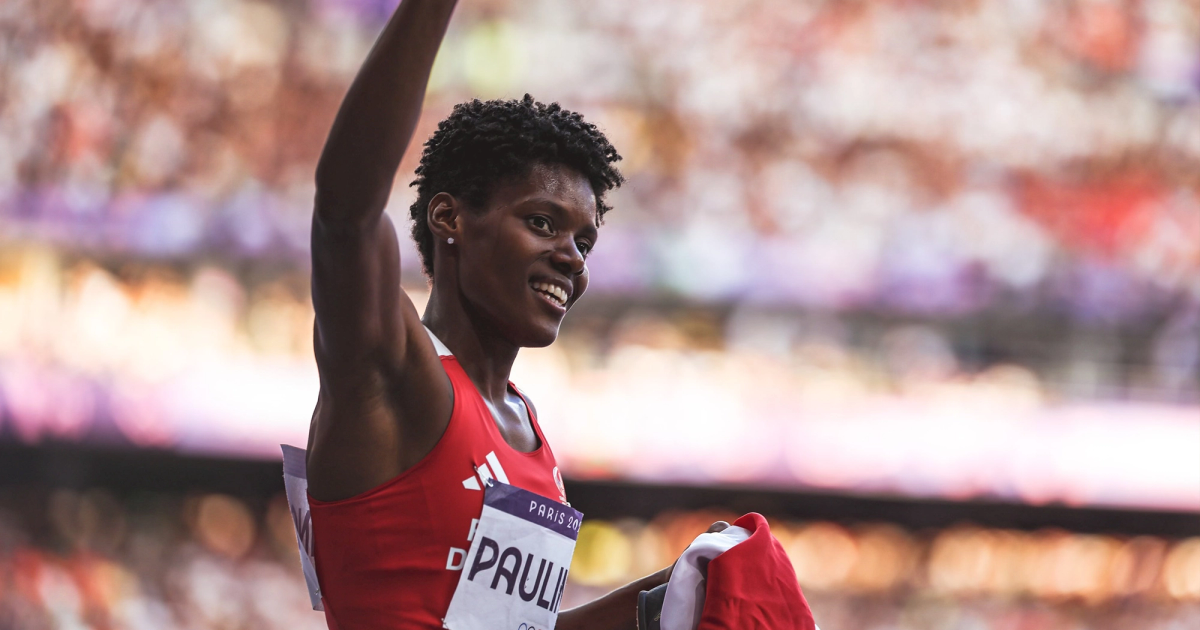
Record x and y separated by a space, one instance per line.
557 294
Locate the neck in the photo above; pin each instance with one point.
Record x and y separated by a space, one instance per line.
483 353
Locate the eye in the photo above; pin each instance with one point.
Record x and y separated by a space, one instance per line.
541 223
585 247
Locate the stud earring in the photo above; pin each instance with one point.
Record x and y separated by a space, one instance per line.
450 241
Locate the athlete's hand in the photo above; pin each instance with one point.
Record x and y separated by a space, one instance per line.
719 526
612 612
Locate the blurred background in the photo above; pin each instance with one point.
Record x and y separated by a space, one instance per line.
917 279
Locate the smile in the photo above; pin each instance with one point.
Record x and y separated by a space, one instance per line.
552 294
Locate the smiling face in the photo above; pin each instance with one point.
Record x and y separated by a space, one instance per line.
522 258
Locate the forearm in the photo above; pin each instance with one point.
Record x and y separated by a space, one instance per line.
615 611
377 118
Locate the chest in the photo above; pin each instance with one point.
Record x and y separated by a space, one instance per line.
460 493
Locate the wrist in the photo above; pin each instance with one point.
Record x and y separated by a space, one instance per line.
657 578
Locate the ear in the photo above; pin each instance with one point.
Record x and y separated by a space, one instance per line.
443 217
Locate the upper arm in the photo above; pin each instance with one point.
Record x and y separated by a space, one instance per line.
385 398
360 307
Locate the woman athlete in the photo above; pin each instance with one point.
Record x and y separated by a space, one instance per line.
416 414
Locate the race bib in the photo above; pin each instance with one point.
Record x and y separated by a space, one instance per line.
295 481
516 569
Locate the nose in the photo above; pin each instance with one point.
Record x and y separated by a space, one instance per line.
567 259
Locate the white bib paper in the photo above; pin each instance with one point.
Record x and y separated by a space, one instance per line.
516 569
295 481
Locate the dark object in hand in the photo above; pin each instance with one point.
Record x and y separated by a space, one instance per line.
650 605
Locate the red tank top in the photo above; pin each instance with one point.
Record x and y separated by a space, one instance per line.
390 558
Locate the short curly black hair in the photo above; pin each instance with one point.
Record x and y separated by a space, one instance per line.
485 143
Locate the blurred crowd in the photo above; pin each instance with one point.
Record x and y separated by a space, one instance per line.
89 560
198 358
76 561
928 248
927 157
970 230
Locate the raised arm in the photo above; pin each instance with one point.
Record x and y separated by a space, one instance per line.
370 346
377 118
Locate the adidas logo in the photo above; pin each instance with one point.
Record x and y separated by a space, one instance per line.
483 474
